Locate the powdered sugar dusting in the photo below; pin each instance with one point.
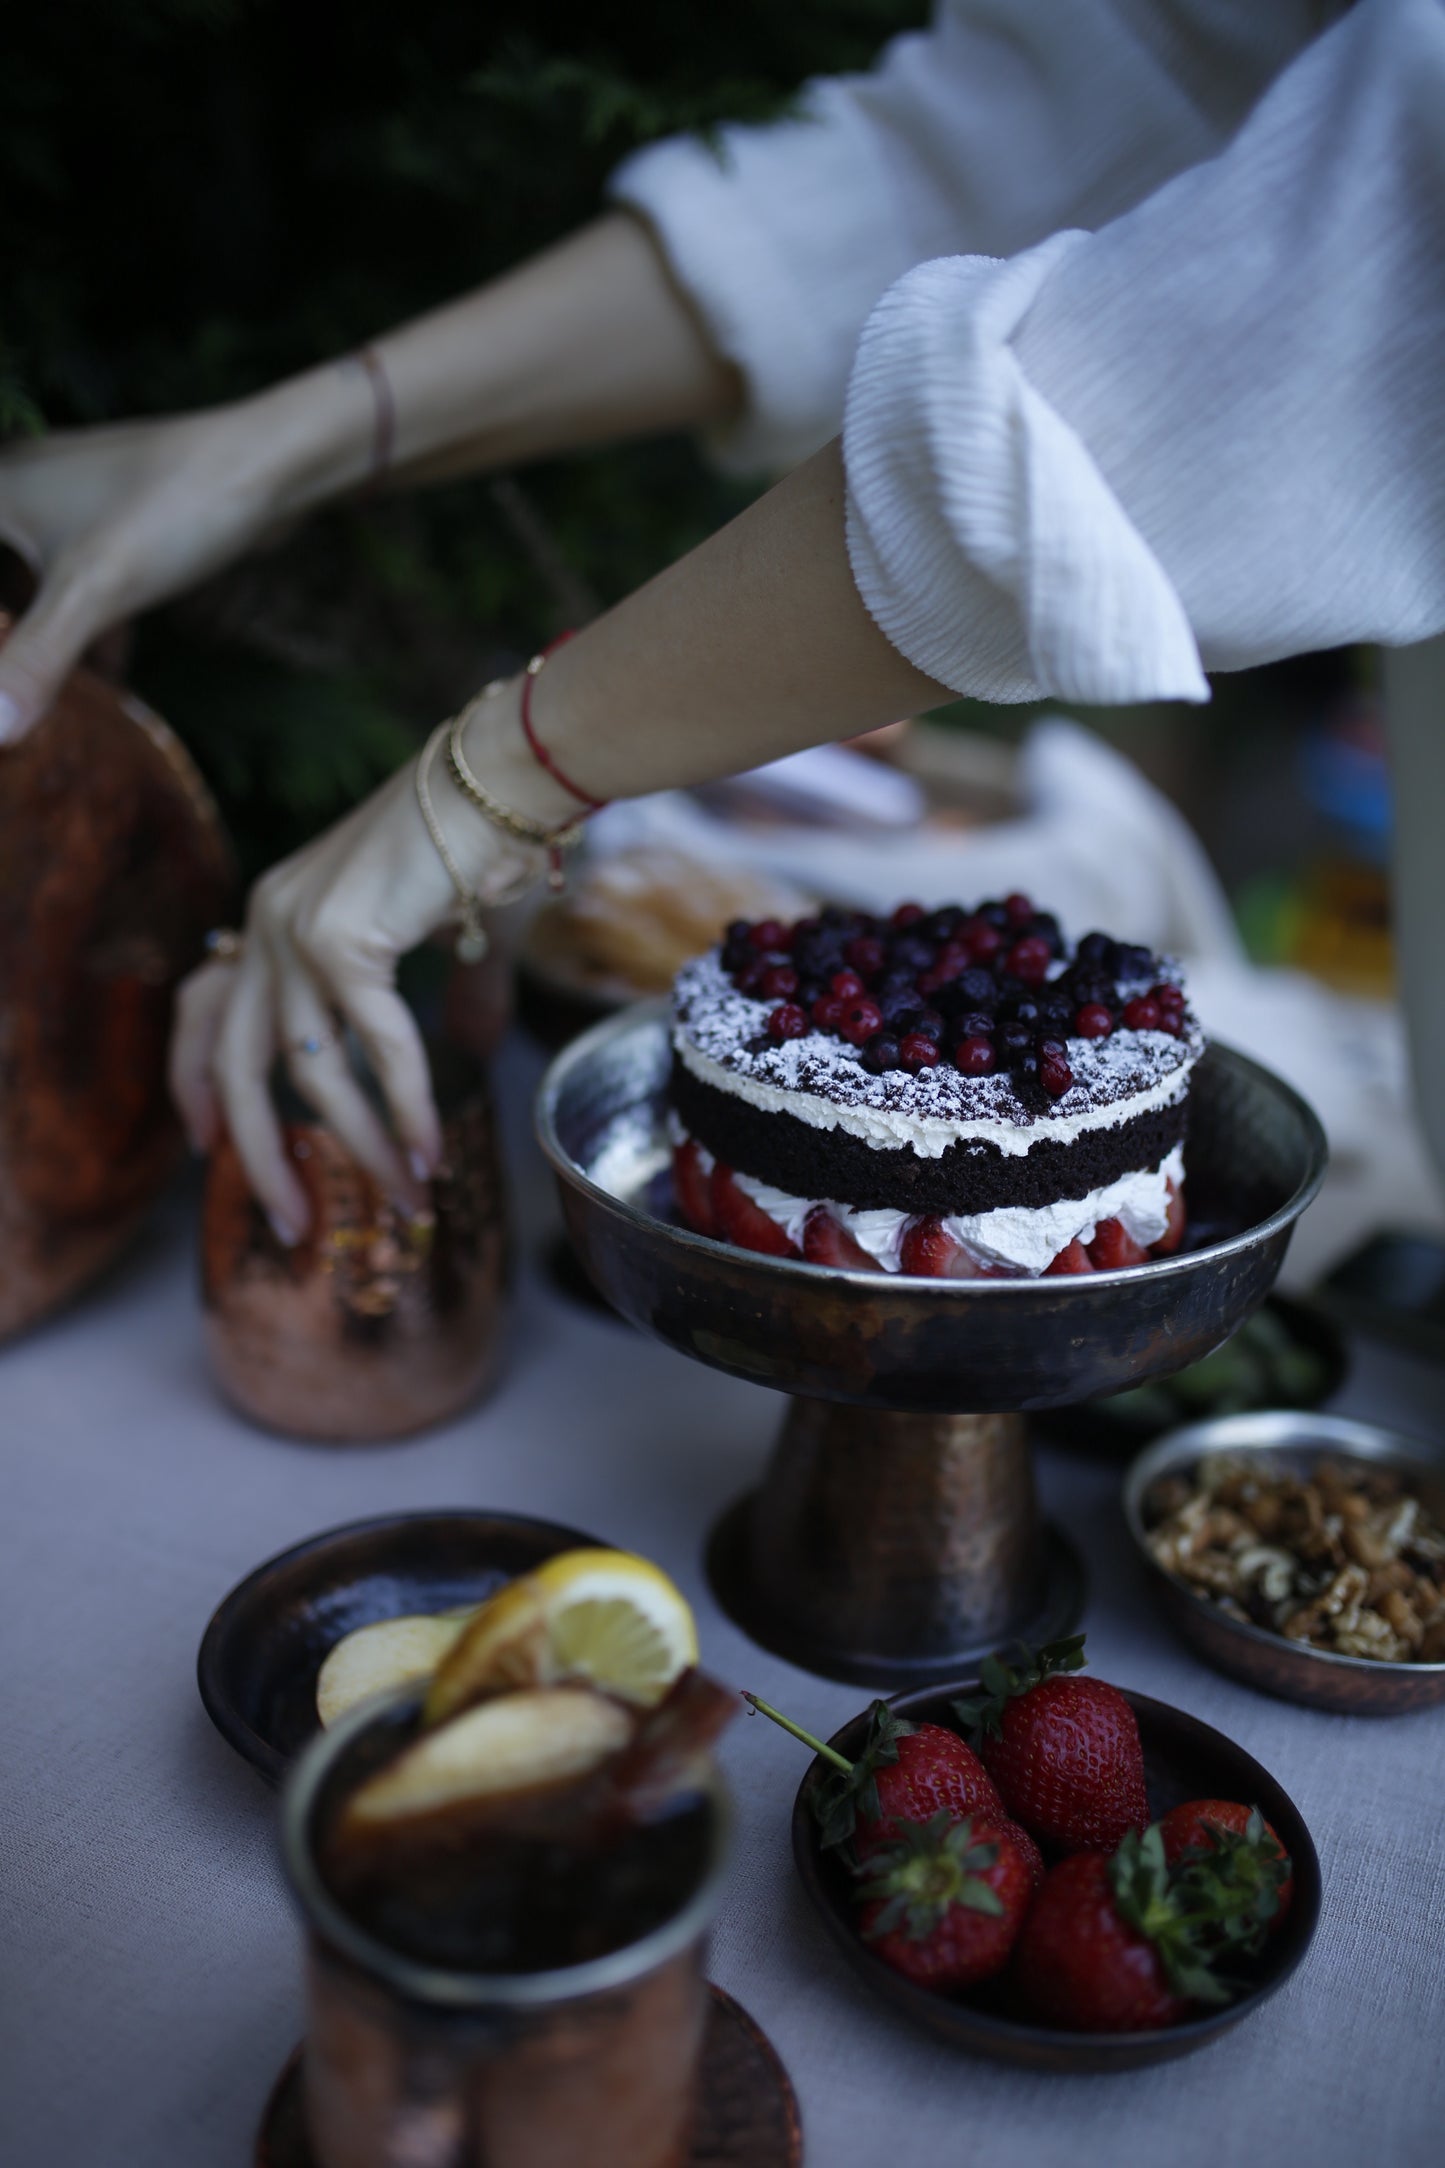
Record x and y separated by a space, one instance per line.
821 1080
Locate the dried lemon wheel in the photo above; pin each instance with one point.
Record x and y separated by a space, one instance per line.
606 1617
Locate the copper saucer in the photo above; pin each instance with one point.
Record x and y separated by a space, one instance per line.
747 2113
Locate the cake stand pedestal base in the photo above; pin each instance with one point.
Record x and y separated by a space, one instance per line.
891 1549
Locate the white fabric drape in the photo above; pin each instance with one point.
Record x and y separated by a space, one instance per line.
1208 433
1007 121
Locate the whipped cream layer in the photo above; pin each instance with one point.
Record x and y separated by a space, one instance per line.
1025 1241
822 1081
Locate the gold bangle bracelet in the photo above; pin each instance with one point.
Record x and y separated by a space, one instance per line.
554 841
472 941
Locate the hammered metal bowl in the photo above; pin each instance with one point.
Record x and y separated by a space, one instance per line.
1293 1439
1256 1156
1183 1759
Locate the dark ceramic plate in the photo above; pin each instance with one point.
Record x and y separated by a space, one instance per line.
1183 1759
1289 1354
260 1654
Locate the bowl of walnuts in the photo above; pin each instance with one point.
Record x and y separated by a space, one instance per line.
1302 1553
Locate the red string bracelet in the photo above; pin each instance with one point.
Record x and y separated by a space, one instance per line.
539 750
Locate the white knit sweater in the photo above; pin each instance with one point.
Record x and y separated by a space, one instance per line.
1133 313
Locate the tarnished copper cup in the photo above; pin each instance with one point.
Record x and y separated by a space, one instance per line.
377 1324
406 2065
113 865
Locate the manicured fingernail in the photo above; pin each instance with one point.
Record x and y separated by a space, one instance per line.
419 1165
287 1235
11 719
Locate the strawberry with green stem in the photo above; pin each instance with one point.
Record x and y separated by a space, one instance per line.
1131 1944
905 1773
943 1900
1064 1752
1236 1855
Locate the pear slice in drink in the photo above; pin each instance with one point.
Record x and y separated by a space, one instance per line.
387 1653
513 1747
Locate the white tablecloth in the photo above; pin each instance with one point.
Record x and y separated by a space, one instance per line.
149 1984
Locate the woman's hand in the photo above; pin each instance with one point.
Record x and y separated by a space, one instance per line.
324 930
114 519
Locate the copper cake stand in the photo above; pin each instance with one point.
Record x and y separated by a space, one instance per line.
895 1539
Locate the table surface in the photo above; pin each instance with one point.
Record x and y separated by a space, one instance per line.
149 1977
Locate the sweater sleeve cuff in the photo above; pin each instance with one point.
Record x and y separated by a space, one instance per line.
984 540
751 233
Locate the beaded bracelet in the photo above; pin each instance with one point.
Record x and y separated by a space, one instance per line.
554 841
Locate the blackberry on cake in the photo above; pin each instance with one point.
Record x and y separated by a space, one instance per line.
954 1093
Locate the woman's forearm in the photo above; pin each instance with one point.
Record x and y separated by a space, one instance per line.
754 645
587 342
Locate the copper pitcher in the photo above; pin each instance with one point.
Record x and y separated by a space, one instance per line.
113 865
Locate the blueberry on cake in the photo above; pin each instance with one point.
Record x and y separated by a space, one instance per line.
950 1093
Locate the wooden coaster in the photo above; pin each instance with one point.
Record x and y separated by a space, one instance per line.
747 2111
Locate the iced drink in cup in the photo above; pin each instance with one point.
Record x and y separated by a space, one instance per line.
509 1978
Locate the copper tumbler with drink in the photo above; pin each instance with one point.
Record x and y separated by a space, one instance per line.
513 1983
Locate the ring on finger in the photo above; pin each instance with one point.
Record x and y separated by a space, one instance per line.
225 945
315 1042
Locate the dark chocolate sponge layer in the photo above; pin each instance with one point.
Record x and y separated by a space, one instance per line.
968 1177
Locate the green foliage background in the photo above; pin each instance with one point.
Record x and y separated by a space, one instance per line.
202 195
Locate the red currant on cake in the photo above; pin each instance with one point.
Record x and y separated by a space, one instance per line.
916 1052
996 1100
975 1056
787 1022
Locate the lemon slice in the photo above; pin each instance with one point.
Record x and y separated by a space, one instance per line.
387 1653
606 1617
508 1745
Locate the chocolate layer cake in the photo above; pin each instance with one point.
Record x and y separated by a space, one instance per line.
954 1093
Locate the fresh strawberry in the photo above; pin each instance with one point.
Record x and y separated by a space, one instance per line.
944 1900
1112 1247
930 1252
737 1219
1084 1960
1064 1752
1030 1850
692 1188
905 1773
1216 1832
1133 1942
1173 1233
1075 1258
826 1243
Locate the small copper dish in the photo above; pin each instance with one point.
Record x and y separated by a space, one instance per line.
1295 1440
267 1640
1183 1759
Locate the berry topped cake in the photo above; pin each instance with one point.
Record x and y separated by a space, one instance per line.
951 1093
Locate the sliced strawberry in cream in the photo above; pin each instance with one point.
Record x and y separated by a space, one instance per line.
1113 1246
1073 1258
692 1188
826 1243
1173 1233
739 1220
932 1253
